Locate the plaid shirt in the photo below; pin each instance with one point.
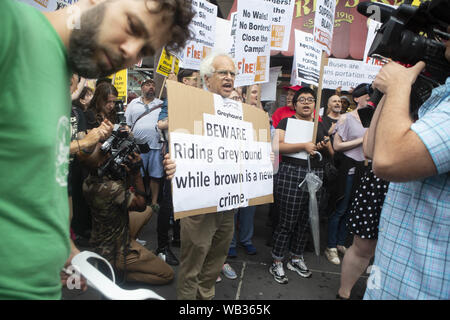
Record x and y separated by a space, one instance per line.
412 258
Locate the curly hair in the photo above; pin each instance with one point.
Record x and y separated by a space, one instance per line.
180 14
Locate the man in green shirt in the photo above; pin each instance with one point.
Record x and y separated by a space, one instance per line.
39 52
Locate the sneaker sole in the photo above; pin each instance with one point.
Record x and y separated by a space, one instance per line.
304 275
279 281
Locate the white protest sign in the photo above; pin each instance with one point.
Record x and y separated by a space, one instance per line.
298 131
372 27
233 34
269 89
225 163
203 25
224 40
347 74
281 23
308 57
324 24
253 35
49 5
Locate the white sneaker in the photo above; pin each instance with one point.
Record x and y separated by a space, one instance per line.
276 269
332 255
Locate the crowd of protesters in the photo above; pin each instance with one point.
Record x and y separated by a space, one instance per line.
108 212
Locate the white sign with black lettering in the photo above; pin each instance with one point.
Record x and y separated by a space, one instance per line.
223 168
348 74
324 24
252 46
281 23
203 26
307 58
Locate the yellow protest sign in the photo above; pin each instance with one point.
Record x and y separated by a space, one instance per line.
120 80
167 63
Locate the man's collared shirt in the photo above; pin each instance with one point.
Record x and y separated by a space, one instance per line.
145 129
412 258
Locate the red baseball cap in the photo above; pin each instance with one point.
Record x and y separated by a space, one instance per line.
295 88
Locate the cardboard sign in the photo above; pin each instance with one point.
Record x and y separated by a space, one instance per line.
324 24
167 63
203 25
253 36
281 23
233 34
222 152
308 57
348 74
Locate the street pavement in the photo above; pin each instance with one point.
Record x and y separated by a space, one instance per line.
254 281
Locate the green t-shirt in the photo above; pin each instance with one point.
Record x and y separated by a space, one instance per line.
34 153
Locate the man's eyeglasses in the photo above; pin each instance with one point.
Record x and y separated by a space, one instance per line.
304 100
224 73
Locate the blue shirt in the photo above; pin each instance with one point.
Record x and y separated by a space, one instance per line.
412 258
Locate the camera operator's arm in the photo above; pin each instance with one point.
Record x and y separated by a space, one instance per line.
93 157
138 200
399 154
369 136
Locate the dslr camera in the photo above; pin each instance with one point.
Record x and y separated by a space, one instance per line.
408 35
120 145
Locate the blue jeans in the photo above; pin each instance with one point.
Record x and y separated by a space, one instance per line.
337 230
245 226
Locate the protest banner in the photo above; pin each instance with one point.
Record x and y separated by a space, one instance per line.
49 5
167 64
281 23
324 24
372 27
233 34
221 149
120 82
252 47
269 89
203 26
308 58
348 74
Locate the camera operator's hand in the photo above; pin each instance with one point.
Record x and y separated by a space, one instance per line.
135 163
106 128
394 76
169 166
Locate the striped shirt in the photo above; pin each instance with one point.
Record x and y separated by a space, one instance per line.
412 258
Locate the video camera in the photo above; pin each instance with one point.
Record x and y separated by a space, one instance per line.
402 38
120 144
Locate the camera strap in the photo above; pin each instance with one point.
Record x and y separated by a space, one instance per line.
146 113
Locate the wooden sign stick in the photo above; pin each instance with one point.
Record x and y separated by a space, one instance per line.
323 63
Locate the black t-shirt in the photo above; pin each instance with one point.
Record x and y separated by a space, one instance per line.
327 122
315 163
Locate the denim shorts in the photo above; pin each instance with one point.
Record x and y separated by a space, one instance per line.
152 164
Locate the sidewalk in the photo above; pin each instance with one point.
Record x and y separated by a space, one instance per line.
254 281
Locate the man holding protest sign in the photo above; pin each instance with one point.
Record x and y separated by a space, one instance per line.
205 238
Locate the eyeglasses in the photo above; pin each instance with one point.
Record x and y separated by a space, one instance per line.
224 73
304 100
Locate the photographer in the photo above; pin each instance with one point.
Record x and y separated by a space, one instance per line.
412 254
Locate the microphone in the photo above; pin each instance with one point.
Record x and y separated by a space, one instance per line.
375 11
